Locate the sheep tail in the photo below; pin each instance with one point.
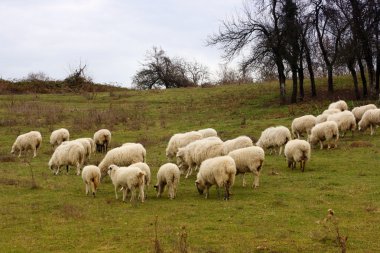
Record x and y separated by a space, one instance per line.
96 180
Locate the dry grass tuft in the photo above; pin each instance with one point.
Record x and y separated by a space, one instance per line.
360 144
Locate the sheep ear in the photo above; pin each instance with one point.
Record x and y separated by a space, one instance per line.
197 182
156 186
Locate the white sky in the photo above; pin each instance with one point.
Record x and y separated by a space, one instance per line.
110 36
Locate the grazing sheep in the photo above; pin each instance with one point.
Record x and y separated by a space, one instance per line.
345 120
70 154
144 167
58 136
249 159
239 142
91 177
28 141
180 140
297 151
191 156
86 145
321 118
360 110
324 131
220 171
129 178
331 111
208 132
302 125
168 174
102 139
340 105
123 156
273 137
371 118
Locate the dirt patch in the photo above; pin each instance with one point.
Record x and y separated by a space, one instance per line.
360 144
7 158
9 181
71 211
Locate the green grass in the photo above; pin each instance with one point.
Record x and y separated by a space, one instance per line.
283 215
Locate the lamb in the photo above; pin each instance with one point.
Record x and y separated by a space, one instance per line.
370 118
91 177
302 125
191 156
325 131
168 174
70 154
181 140
219 171
340 105
360 110
102 139
273 137
345 120
129 178
28 141
123 156
208 132
58 136
297 151
239 142
249 159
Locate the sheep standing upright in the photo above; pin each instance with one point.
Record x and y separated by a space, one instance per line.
249 159
325 131
123 156
302 125
129 178
274 137
102 139
371 118
168 174
297 151
91 177
58 136
346 121
28 141
219 171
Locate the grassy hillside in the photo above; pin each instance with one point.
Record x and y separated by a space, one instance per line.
286 213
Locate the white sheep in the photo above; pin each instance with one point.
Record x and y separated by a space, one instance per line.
70 154
85 143
331 111
239 142
91 177
325 131
168 174
129 179
302 125
180 140
191 156
249 159
28 141
144 167
360 110
297 151
58 136
102 139
273 137
219 171
321 118
371 118
123 156
208 132
346 121
340 105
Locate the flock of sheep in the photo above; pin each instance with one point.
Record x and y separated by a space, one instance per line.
216 161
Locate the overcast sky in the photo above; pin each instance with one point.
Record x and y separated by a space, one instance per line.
110 36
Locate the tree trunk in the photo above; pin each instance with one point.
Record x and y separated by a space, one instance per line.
355 79
378 71
311 71
295 79
364 79
301 78
281 79
330 84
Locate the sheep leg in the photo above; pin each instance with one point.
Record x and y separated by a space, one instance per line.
93 188
256 178
298 135
57 171
303 165
320 142
206 192
78 169
372 130
124 194
133 195
189 171
19 154
141 193
290 164
227 191
87 190
244 183
279 153
34 152
116 192
170 190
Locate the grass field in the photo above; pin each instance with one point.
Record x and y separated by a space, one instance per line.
285 214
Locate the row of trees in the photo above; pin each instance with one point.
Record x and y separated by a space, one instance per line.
301 35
